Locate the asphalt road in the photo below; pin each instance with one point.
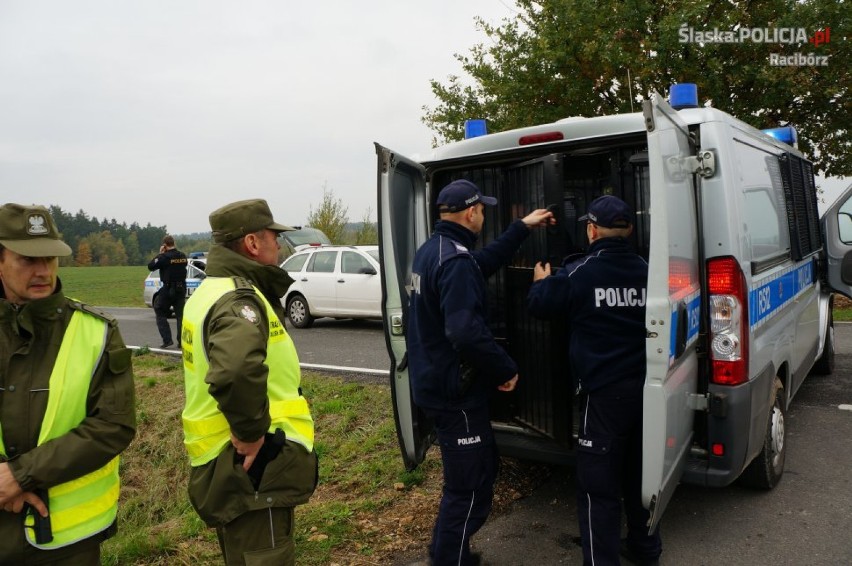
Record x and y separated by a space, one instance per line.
328 344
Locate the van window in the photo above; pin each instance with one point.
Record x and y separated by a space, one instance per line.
766 221
797 176
765 214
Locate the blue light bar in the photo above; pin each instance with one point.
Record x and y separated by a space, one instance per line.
474 129
683 95
787 134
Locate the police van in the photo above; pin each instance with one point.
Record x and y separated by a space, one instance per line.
739 295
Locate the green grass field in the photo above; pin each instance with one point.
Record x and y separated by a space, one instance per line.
362 480
114 286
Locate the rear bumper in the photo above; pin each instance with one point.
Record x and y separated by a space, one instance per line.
740 430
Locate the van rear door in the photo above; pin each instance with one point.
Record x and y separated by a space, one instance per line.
403 227
673 306
837 231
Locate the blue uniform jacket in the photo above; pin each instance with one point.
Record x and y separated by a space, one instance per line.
447 318
602 296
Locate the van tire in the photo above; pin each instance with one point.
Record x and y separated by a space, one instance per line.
766 469
825 364
298 312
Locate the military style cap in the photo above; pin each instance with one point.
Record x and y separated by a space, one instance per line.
30 231
243 217
608 211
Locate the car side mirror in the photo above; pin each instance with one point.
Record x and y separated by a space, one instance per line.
367 271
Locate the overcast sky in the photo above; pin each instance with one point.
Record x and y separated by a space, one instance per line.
162 110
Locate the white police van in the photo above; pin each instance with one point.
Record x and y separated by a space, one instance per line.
741 270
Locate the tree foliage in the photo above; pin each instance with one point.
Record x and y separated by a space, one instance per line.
330 217
366 233
560 58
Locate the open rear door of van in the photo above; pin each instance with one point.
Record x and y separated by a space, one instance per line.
403 227
673 306
837 231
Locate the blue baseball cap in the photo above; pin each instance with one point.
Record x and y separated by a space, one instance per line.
461 194
608 211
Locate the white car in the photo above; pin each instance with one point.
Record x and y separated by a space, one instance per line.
333 281
194 275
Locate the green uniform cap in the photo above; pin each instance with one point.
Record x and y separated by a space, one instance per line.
243 217
30 231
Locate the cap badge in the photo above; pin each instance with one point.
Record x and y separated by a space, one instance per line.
248 313
37 227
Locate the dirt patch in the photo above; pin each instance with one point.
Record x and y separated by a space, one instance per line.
401 532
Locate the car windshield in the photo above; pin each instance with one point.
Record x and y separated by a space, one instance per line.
306 235
374 254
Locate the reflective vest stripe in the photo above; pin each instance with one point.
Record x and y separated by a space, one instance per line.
83 515
87 505
213 433
206 431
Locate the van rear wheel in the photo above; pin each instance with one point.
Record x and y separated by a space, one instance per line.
766 469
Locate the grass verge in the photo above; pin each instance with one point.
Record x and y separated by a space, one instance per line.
366 509
114 286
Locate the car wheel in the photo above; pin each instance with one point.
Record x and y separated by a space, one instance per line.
825 364
766 469
298 312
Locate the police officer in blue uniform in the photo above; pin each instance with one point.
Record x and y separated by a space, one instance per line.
454 362
602 296
172 295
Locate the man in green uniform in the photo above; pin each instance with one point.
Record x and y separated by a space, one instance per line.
66 404
247 428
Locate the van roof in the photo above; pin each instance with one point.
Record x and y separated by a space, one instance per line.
576 129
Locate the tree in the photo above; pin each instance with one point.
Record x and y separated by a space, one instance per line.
330 217
560 58
366 234
131 245
84 254
105 249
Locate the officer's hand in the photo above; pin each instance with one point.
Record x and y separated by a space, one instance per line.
16 505
509 385
9 486
247 449
541 271
539 217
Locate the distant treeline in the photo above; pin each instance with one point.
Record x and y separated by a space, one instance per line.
106 242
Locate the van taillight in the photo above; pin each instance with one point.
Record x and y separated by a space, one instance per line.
728 321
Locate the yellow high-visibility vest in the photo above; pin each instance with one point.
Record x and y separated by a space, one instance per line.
87 505
206 431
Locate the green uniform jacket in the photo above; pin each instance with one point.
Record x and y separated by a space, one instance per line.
30 336
220 490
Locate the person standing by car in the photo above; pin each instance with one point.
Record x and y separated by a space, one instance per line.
602 296
247 427
66 403
454 362
172 295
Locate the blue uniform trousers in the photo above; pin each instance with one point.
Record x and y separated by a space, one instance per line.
470 461
609 468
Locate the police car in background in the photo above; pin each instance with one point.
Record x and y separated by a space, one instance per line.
739 295
194 275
